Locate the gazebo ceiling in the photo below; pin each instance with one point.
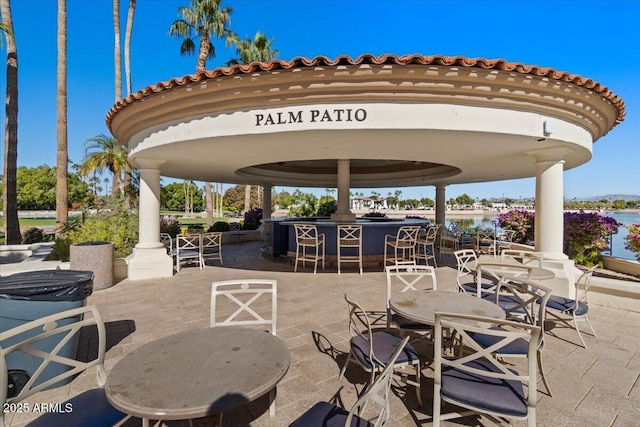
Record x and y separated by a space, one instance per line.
409 120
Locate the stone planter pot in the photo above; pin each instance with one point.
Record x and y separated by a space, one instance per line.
96 257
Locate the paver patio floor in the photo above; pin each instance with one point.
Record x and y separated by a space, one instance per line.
597 386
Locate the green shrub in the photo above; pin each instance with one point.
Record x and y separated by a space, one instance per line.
61 248
32 235
220 226
170 226
117 227
327 208
249 225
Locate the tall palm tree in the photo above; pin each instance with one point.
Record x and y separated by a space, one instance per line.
127 45
9 181
105 152
203 19
62 156
256 49
117 61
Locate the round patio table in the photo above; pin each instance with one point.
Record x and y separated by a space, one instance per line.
197 373
534 273
421 306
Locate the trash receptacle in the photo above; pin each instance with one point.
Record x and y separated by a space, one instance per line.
94 256
35 294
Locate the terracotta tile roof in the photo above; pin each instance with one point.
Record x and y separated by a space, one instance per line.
323 61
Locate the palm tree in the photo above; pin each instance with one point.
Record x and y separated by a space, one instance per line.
62 156
205 18
127 44
117 62
251 50
9 181
105 152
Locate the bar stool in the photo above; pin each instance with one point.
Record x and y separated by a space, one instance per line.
426 246
403 245
349 236
307 237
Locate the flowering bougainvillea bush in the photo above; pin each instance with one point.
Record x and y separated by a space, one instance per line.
586 235
519 221
632 241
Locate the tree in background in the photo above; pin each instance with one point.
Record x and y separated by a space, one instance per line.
235 198
427 202
62 156
619 204
105 152
9 181
127 170
37 189
204 19
127 45
251 50
464 200
256 49
117 56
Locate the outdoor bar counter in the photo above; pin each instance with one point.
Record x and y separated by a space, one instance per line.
282 236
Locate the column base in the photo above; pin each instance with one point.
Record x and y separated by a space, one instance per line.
149 263
343 217
554 256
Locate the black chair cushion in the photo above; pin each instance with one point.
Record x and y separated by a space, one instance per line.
491 394
471 286
516 347
90 408
384 344
404 323
324 414
506 302
568 305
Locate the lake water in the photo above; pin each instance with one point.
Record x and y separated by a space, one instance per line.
617 248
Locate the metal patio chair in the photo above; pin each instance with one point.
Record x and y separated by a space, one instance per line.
568 310
349 238
427 245
189 249
255 303
309 246
43 339
403 244
476 379
324 414
408 278
212 246
373 350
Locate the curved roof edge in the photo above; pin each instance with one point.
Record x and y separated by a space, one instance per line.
451 61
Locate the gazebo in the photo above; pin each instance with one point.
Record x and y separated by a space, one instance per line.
372 121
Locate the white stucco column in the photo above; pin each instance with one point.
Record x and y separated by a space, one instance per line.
343 213
149 259
441 204
266 201
549 207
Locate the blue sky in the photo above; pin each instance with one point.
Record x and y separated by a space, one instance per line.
595 39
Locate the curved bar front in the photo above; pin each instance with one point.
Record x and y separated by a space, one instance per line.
282 238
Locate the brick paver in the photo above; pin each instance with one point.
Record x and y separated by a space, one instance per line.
598 386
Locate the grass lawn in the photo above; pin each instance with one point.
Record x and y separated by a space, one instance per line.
32 222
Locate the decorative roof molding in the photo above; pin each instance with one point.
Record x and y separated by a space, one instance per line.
391 59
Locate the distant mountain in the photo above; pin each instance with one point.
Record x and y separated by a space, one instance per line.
612 197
